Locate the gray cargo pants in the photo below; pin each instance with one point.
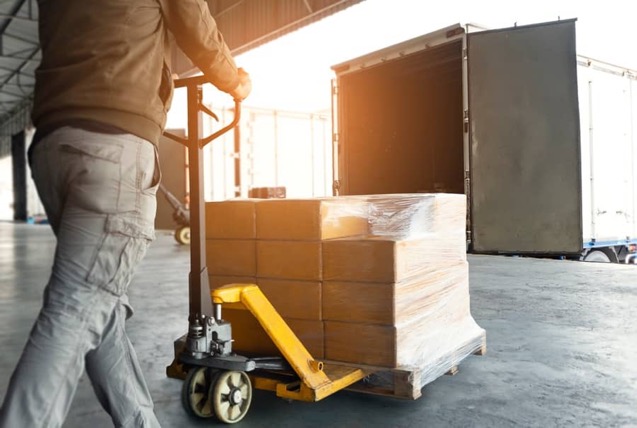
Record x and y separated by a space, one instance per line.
99 194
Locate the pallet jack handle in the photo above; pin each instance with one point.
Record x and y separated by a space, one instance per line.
193 85
199 299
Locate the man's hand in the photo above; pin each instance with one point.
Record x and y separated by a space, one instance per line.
242 91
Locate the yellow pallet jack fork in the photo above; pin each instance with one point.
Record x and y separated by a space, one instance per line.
217 381
316 380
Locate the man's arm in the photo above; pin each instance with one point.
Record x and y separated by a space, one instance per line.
196 33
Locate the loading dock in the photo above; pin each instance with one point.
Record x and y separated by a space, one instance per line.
562 338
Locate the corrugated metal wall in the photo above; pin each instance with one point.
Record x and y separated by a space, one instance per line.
247 24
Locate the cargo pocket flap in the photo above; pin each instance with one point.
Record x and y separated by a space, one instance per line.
129 227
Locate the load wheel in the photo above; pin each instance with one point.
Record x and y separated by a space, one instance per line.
182 235
195 392
231 396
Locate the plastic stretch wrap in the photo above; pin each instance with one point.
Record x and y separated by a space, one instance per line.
428 371
431 324
391 303
399 298
416 214
382 258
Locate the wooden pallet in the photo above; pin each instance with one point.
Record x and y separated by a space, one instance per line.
402 383
407 383
482 350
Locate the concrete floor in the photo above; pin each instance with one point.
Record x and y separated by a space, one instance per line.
562 340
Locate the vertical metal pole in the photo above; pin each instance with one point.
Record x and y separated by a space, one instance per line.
223 166
312 159
466 138
19 163
592 157
326 179
209 162
337 162
237 161
199 290
633 152
276 148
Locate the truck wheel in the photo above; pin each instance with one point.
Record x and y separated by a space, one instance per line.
601 255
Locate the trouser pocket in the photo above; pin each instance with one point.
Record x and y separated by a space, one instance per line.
110 173
122 247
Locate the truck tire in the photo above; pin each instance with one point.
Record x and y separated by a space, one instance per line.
601 255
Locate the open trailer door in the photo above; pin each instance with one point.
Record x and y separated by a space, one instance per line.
524 140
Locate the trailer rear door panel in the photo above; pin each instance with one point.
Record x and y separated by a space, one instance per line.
524 140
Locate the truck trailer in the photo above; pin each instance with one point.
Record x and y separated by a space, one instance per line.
541 140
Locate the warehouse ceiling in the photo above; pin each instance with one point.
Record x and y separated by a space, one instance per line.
245 25
19 57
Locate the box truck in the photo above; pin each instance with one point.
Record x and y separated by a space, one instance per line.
540 139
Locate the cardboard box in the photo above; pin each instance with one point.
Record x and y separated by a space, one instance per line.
250 338
292 260
231 219
217 281
430 319
311 219
267 192
393 303
451 214
293 298
369 344
235 257
417 344
383 259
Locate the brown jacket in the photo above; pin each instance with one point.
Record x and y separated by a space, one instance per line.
108 60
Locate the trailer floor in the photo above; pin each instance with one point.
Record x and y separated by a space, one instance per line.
562 340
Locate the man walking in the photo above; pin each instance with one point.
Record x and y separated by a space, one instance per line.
102 93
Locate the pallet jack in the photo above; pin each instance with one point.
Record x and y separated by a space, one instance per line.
217 381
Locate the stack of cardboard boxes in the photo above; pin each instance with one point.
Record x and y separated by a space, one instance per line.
375 280
277 244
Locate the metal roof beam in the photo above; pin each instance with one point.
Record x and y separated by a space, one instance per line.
21 85
21 39
18 53
228 9
22 18
11 94
18 70
27 59
12 15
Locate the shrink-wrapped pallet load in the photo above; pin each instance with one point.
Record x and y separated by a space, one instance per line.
379 280
400 296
